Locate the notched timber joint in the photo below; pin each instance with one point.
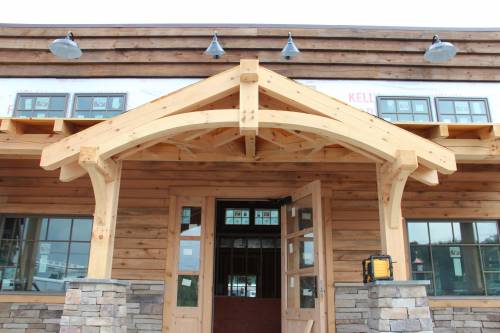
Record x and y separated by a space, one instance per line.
90 160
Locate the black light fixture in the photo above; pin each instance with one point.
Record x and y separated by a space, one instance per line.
215 49
290 50
440 51
65 48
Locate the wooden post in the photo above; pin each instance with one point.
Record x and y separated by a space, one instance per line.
249 104
391 180
105 177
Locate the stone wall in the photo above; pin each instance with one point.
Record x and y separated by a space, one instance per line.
351 313
30 317
145 306
351 307
466 320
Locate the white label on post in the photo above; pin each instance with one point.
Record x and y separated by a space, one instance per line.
292 282
186 282
293 211
307 292
290 247
187 252
42 265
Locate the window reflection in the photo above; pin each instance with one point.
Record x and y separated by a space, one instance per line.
40 253
462 259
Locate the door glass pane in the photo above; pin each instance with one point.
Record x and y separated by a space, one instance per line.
458 270
187 290
189 255
191 221
306 254
307 292
300 215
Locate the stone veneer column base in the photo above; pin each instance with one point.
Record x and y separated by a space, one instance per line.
398 306
95 306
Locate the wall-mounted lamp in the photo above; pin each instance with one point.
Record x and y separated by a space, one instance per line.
214 50
65 48
290 50
439 51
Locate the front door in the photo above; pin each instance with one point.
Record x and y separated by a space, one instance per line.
303 291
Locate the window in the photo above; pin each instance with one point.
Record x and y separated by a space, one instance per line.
41 105
404 108
459 257
40 253
462 110
267 217
98 105
237 216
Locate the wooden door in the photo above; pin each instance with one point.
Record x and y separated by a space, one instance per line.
189 268
303 291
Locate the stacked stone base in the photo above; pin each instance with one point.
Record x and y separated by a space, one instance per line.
30 317
466 320
95 306
398 306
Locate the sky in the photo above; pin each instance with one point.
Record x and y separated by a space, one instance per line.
417 13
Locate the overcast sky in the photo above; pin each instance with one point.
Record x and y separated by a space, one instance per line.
418 13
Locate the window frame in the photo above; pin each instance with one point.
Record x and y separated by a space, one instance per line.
76 95
3 216
429 246
426 98
19 95
464 99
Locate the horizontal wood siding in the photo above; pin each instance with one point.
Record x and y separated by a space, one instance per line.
140 246
177 51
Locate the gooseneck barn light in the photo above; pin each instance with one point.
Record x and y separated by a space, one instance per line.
440 51
215 49
66 48
290 50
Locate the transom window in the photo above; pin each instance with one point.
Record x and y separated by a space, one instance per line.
462 110
98 105
41 105
237 216
40 253
404 108
458 257
267 217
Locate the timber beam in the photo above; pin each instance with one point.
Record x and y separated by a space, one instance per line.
249 104
105 177
391 180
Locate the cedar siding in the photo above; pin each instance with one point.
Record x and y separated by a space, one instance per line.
141 232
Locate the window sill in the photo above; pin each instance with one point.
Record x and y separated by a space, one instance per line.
32 297
464 301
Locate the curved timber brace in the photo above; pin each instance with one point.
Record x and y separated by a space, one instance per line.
105 176
391 181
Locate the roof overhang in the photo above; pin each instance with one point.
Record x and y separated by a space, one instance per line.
252 103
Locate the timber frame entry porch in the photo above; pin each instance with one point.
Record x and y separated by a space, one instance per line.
247 114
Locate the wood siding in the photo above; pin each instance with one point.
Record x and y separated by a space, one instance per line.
177 51
472 192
